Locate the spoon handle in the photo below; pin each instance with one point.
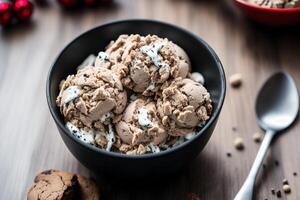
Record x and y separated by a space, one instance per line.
246 190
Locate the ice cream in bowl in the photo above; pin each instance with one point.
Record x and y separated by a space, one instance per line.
136 98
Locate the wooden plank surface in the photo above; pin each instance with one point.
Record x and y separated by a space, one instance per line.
30 141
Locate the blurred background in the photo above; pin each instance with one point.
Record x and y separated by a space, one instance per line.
30 143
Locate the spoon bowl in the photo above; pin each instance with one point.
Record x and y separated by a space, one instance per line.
277 103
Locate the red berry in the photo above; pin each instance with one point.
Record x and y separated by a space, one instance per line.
23 9
5 13
90 2
68 3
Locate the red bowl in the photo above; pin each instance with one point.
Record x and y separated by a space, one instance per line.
269 16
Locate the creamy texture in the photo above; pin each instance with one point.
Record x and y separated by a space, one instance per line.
196 76
104 118
138 127
154 148
165 106
89 61
85 136
153 52
102 59
183 105
143 117
100 92
143 63
70 94
110 137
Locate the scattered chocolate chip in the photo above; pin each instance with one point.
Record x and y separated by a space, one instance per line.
235 80
257 137
264 166
228 154
286 188
234 128
285 182
266 199
295 173
239 143
278 193
273 191
276 162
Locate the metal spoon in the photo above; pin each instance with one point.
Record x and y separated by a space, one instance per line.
277 106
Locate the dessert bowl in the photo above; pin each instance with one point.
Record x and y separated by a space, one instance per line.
269 16
203 60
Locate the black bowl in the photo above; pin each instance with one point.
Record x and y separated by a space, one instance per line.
203 59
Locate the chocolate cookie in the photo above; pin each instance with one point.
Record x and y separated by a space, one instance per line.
59 185
54 185
88 189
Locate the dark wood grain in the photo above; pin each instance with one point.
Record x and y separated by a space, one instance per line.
30 141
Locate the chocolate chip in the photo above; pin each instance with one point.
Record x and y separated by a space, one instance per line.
257 137
273 191
47 172
278 193
276 162
239 143
228 154
295 173
285 181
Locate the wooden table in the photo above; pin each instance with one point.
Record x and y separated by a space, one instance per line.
30 141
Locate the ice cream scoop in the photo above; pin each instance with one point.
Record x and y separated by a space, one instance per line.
143 63
140 124
91 97
183 105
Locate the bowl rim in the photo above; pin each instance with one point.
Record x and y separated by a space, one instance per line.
264 9
213 117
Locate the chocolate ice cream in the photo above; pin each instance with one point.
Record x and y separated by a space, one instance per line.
165 106
144 62
183 105
140 124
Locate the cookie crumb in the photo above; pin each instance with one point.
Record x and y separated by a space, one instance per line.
228 154
286 188
295 174
235 80
278 193
257 137
239 143
273 191
285 182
